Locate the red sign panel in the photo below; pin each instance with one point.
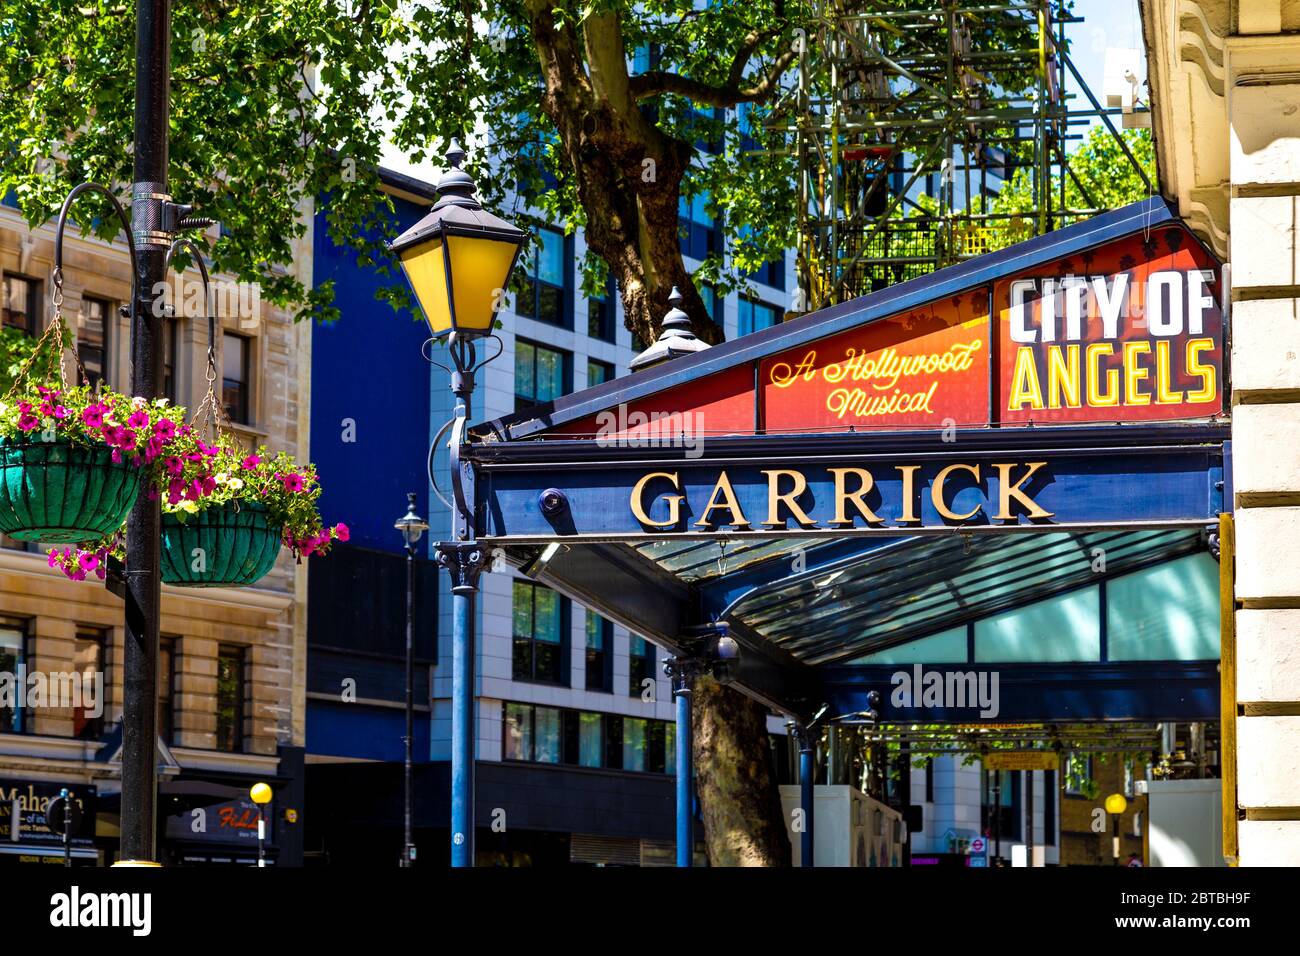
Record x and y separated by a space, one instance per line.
1129 332
928 367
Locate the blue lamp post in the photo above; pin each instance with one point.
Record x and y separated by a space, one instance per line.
458 260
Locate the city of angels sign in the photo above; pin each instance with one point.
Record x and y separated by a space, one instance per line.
1132 331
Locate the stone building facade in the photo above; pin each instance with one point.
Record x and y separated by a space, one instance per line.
238 650
1225 96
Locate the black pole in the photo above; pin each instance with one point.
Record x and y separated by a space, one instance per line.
67 827
407 845
997 817
140 709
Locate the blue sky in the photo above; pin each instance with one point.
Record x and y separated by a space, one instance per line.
1107 23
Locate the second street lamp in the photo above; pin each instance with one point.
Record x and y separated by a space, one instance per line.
412 528
458 260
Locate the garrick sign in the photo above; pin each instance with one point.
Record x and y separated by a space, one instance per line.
958 492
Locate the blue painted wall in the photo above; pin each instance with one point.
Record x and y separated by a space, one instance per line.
367 367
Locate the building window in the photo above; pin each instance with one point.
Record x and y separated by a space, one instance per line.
640 665
90 661
22 303
698 230
235 376
598 373
634 743
541 374
1078 775
600 642
591 739
230 698
538 633
770 274
166 688
93 337
531 733
13 655
929 780
169 361
752 316
601 315
543 295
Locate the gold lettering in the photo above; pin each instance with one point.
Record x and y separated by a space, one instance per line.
775 499
1007 489
1163 376
674 501
1135 374
1092 357
1024 383
936 492
723 488
843 497
1063 376
909 490
1202 371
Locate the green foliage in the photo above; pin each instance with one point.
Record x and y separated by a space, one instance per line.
16 347
246 147
1108 178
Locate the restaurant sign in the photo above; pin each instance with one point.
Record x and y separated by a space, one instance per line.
1132 331
31 799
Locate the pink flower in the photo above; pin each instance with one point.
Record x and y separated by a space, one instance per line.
209 485
165 429
341 532
174 465
60 412
292 482
138 419
93 416
117 456
88 562
251 462
54 557
175 490
28 423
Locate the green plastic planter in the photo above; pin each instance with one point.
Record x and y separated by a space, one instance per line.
225 546
62 493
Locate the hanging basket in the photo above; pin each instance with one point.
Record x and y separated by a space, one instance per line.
226 546
62 493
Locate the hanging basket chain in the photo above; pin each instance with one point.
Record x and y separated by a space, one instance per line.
47 357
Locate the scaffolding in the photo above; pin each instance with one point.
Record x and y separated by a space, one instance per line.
907 122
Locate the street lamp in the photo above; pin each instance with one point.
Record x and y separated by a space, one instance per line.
412 528
458 260
261 795
1115 806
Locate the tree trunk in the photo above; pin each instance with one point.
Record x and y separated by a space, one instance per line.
628 175
741 807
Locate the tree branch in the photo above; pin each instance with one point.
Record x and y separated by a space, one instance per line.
655 82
